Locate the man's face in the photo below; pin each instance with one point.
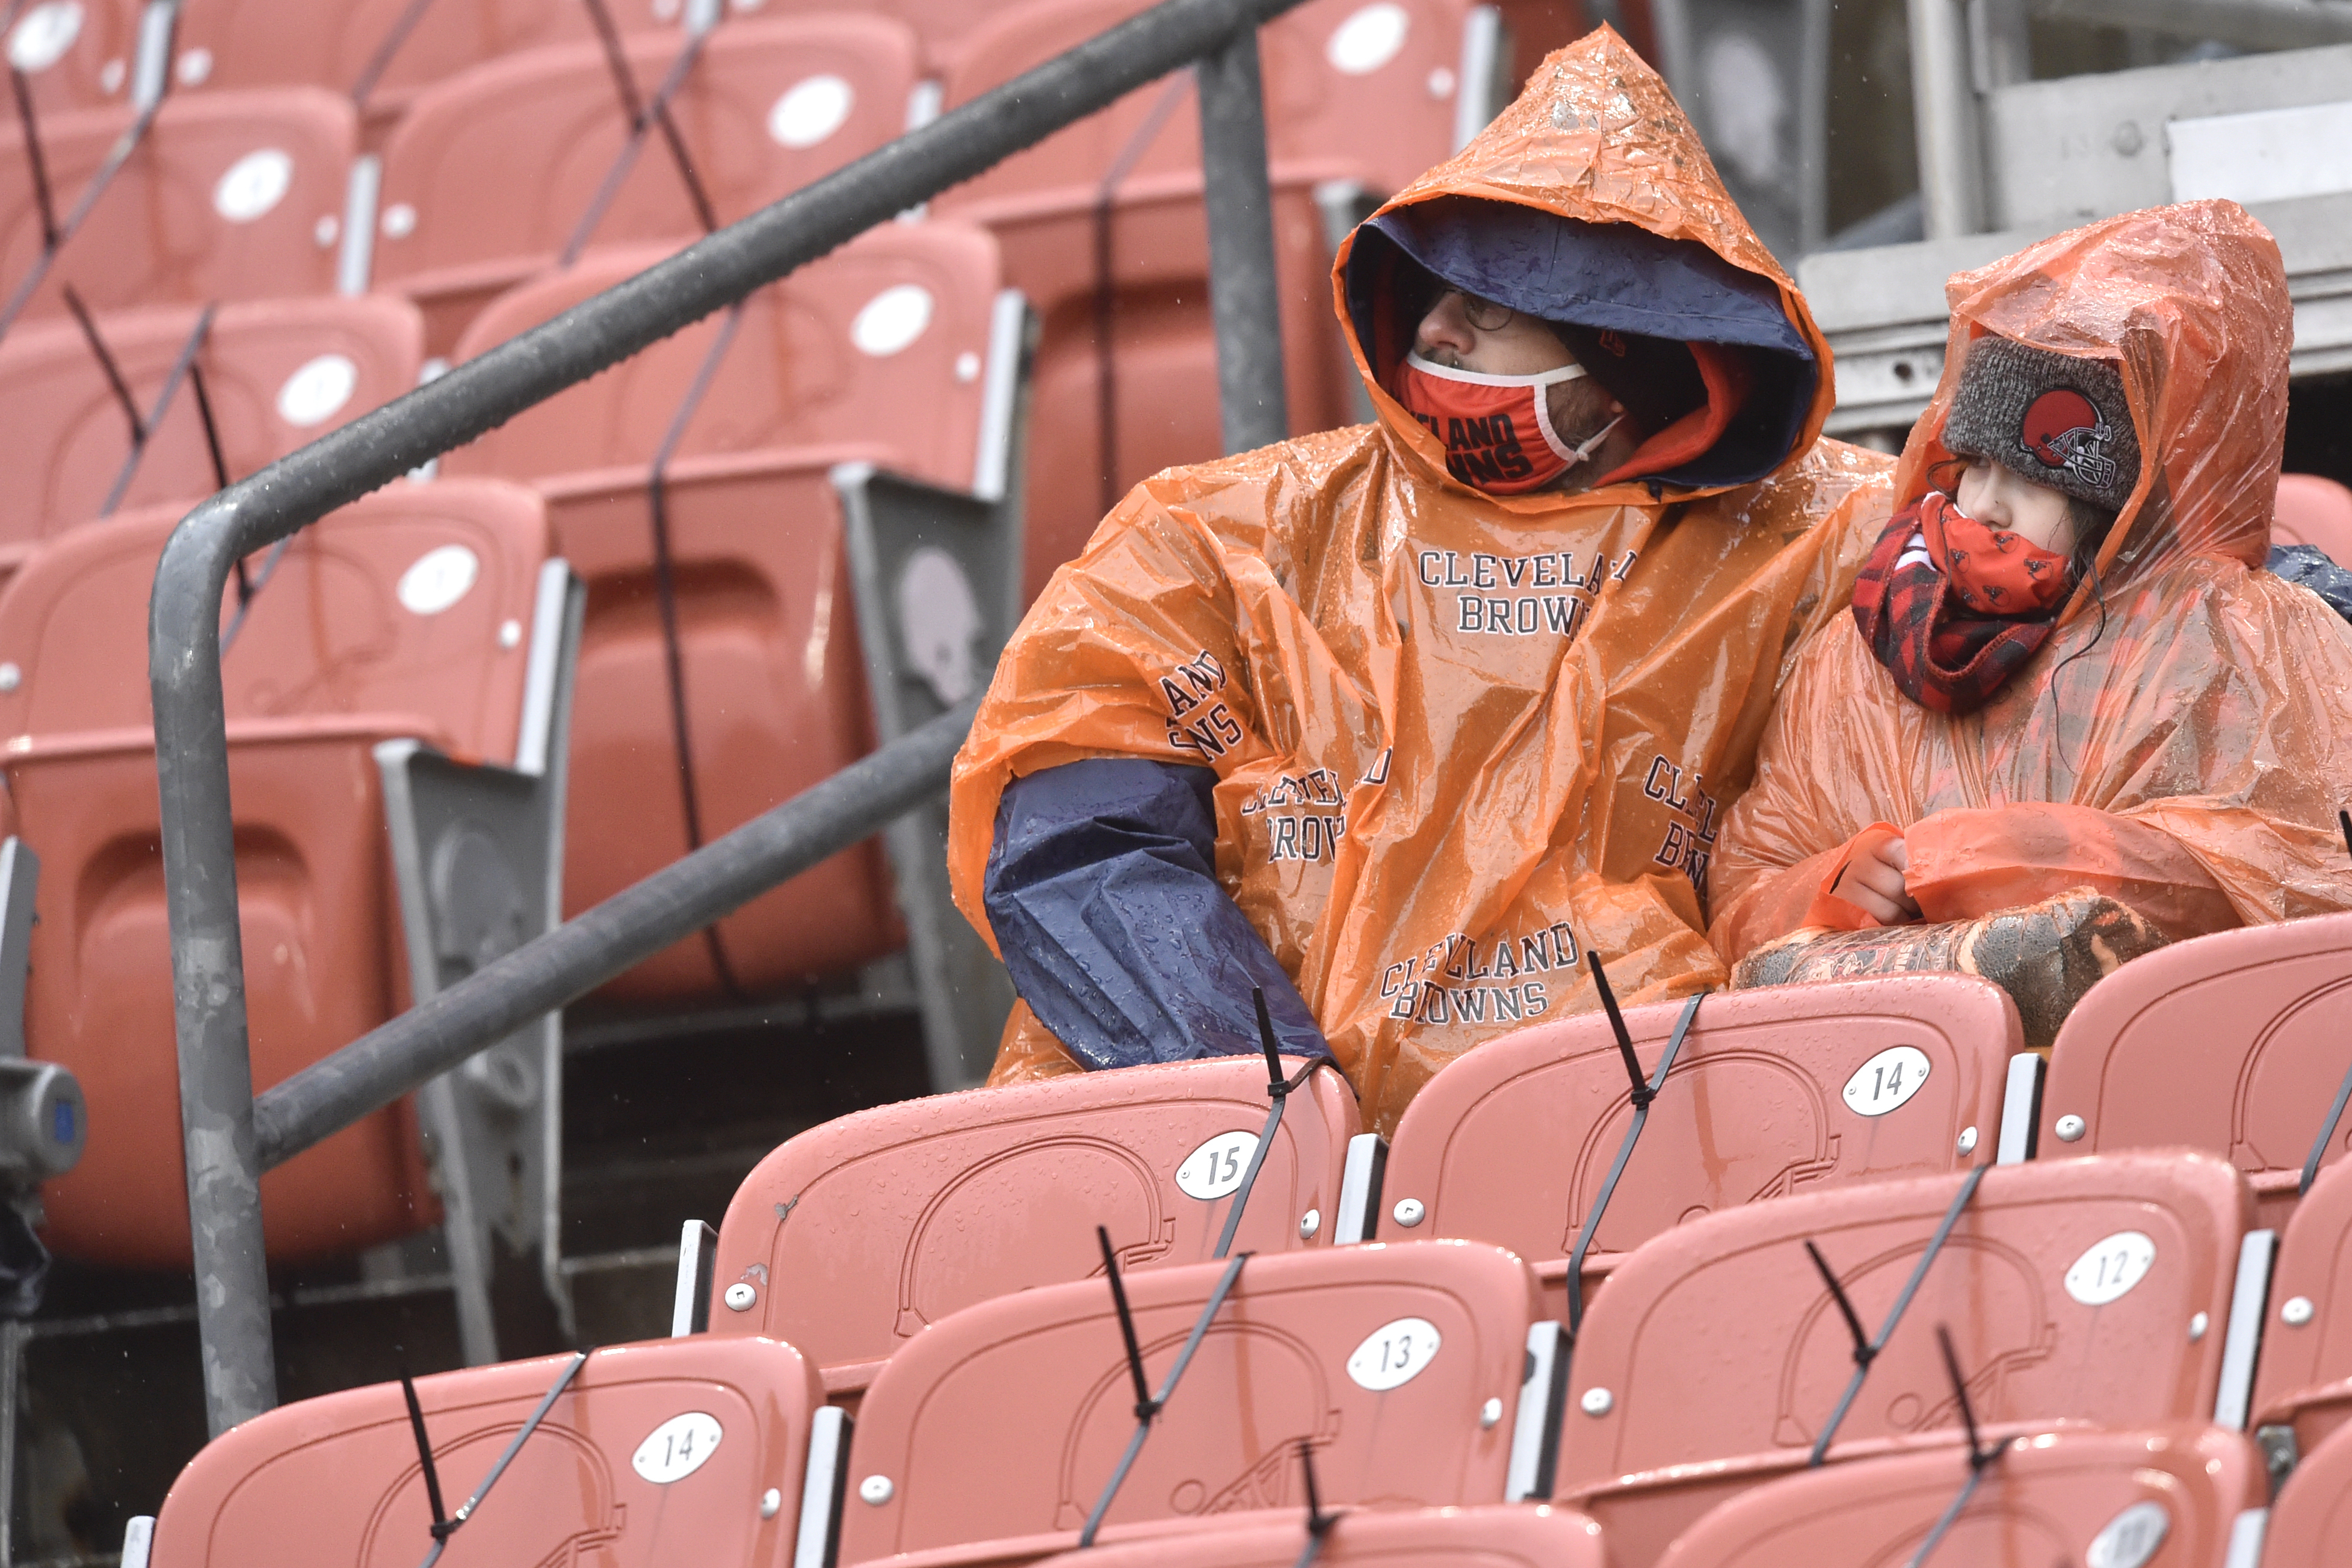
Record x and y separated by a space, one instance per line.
1462 331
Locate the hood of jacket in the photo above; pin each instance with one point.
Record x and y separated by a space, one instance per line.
1591 202
2192 300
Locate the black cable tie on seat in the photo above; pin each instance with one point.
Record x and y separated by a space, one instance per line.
1319 1524
1277 1090
1643 1094
425 1455
386 48
1866 1351
1147 1405
643 115
109 365
1981 1456
442 1531
181 366
51 234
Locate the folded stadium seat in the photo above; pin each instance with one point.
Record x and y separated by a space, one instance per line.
901 349
1103 221
2311 1519
491 174
2180 1496
2314 510
2303 1388
1405 1369
234 196
1499 1537
277 375
653 1454
2234 1042
74 54
1773 1092
368 870
855 1236
2096 1291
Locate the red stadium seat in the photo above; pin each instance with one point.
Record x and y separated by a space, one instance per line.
2305 1381
74 54
855 1236
1771 1095
490 173
2314 510
1163 363
878 353
2090 1290
1499 1537
2311 1522
653 1454
2169 1496
235 196
404 615
1399 1366
2234 1042
277 375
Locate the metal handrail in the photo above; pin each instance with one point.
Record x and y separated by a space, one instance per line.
222 1132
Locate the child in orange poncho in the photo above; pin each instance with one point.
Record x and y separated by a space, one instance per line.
2064 667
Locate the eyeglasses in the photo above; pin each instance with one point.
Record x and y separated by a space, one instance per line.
1483 314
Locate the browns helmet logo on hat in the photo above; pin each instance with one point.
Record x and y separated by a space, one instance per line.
2064 429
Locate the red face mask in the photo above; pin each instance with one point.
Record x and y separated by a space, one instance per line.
1991 571
1497 428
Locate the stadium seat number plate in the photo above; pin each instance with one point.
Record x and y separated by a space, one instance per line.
1394 1354
677 1448
1216 1167
1887 1081
2112 1266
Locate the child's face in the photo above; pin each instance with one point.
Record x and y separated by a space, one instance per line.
2000 496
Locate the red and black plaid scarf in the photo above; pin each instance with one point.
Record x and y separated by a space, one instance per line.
1945 656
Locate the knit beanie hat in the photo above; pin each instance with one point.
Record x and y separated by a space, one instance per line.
2056 420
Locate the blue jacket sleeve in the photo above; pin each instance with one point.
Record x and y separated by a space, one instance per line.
1102 890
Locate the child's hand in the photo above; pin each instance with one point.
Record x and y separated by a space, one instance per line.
1873 882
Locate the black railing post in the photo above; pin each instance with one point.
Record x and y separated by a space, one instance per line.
1244 293
217 1113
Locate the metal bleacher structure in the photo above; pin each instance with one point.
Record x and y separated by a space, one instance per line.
574 604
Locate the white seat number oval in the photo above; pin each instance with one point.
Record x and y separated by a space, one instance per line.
2130 1537
1216 1167
1395 1354
2112 1266
1886 1080
677 1447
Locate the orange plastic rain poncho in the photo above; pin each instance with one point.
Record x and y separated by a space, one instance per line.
1502 802
2183 747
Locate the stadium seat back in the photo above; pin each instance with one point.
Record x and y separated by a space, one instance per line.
237 197
855 1235
2232 1043
2168 1497
2307 1363
1774 1092
1515 1536
490 173
2310 1521
2092 1290
277 376
389 620
2313 510
1399 1366
882 342
1161 363
776 703
74 54
656 1453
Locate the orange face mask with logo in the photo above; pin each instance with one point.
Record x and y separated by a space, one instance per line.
1991 571
1497 430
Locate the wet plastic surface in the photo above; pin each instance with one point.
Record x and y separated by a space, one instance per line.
1458 738
2181 742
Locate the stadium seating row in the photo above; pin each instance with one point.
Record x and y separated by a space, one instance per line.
2061 1348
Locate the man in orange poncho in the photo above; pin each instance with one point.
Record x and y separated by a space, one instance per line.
1401 722
2178 738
